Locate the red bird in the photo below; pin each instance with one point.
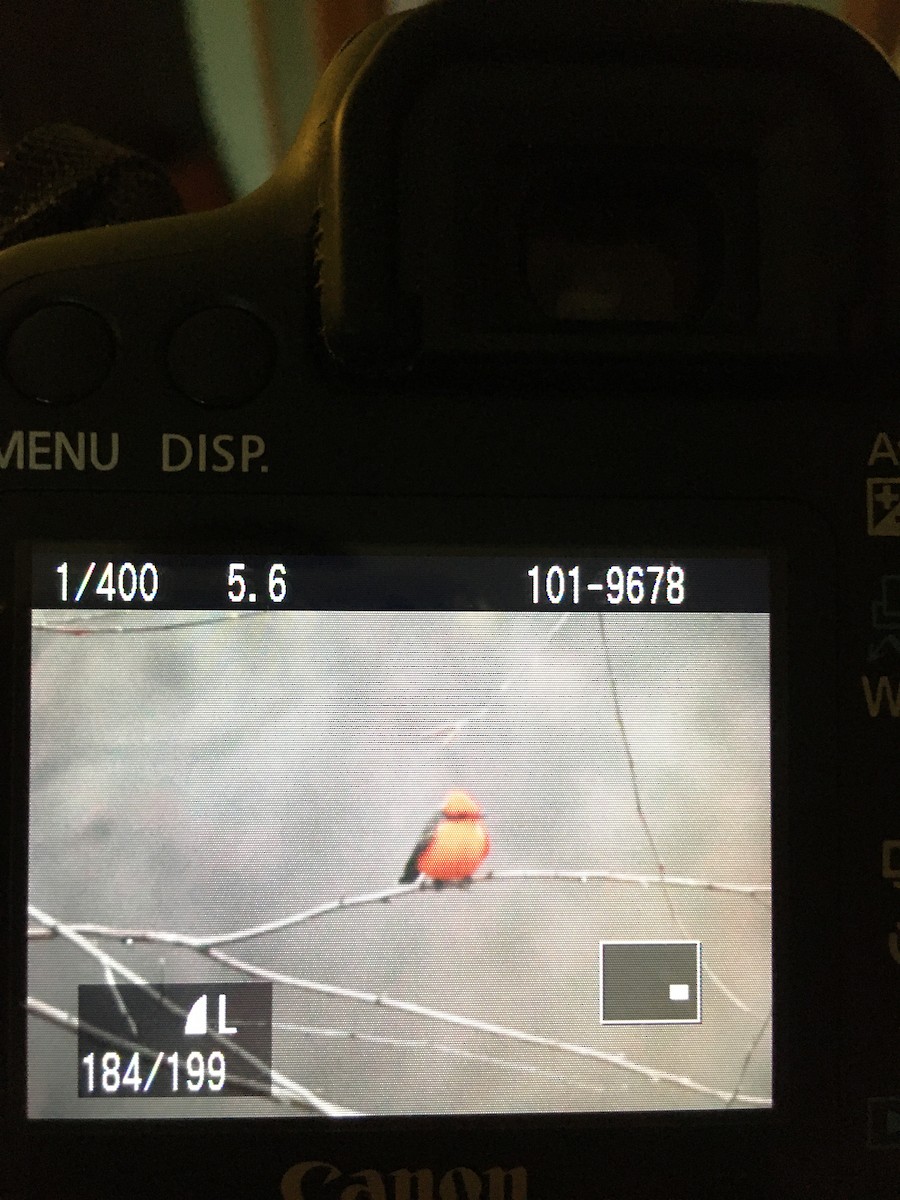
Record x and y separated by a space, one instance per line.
453 844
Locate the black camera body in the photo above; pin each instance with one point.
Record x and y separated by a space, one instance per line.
525 448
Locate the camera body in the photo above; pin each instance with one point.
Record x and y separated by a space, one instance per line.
570 318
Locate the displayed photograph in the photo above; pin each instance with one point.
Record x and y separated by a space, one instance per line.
341 863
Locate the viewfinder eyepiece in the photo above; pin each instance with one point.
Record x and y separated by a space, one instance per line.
634 244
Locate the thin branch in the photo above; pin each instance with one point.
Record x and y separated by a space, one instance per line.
195 942
117 997
629 757
755 891
715 979
749 1056
296 1089
251 970
65 1020
441 1049
449 731
310 914
86 628
501 1031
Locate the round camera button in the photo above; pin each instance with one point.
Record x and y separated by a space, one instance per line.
60 353
221 357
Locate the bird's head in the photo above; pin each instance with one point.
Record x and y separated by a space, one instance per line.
459 805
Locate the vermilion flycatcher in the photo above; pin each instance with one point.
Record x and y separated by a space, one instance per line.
453 844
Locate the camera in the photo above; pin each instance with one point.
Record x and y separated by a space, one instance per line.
449 616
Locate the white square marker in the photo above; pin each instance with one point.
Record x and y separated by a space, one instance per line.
679 991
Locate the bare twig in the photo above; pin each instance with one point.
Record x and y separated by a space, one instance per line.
501 1031
320 910
715 979
751 1050
251 970
195 942
87 627
755 891
449 731
117 997
106 960
439 1048
629 757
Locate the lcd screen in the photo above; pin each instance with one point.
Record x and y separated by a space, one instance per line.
398 835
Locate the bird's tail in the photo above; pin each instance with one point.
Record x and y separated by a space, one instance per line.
410 871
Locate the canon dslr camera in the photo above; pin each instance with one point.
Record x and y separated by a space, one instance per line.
450 611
